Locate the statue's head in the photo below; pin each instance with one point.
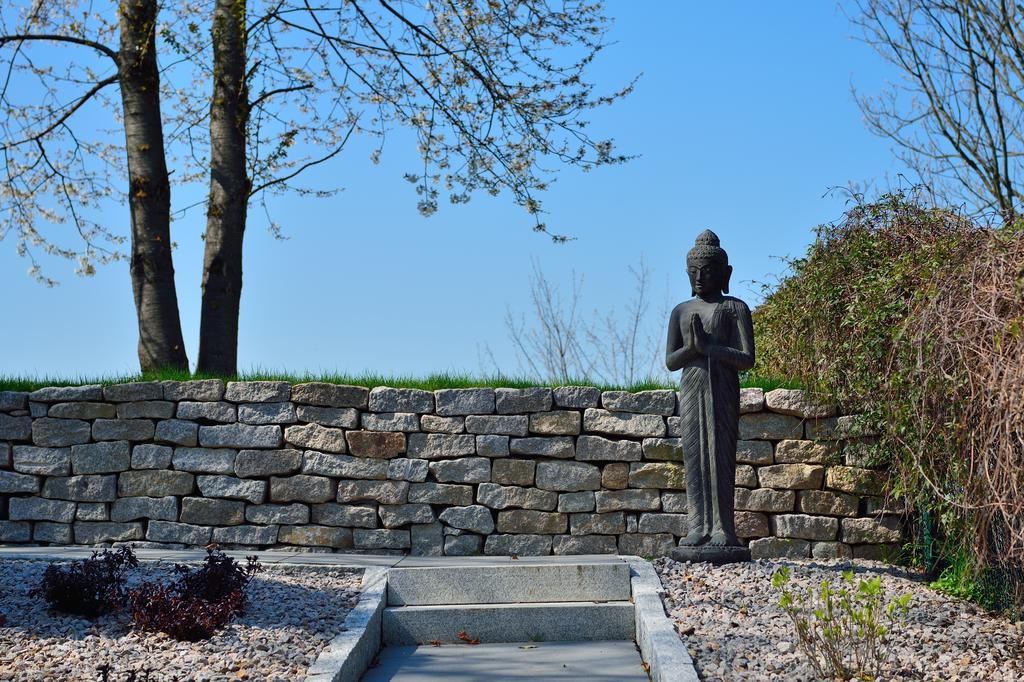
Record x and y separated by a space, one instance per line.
707 264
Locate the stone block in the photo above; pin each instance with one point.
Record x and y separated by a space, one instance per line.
577 397
11 482
805 452
544 446
412 470
81 488
343 466
270 514
673 427
857 531
584 544
598 449
464 401
82 411
441 493
615 476
29 459
576 502
674 503
397 515
531 521
15 531
663 475
441 445
461 545
383 444
20 428
805 527
338 417
168 531
242 436
405 422
206 512
134 391
779 548
11 401
839 428
888 553
426 539
101 458
500 425
316 536
246 535
670 449
765 500
556 423
568 476
612 523
330 395
258 391
135 508
92 511
769 426
474 518
746 476
513 471
797 403
522 400
62 394
382 538
57 533
754 452
49 432
155 483
646 544
123 429
349 515
232 488
177 432
792 476
264 463
502 497
200 389
663 523
751 400
35 410
643 402
431 423
855 481
518 545
492 446
623 423
205 460
220 411
95 532
146 409
301 488
827 503
5 456
465 470
631 500
865 453
831 550
751 525
385 492
314 437
40 509
387 399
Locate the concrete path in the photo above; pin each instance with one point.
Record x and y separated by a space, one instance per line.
591 661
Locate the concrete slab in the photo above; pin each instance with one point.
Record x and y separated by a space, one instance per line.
348 655
591 661
428 561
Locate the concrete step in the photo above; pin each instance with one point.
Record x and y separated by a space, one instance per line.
538 622
511 583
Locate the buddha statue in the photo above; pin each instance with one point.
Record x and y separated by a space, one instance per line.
711 339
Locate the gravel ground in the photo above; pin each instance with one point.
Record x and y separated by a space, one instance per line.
291 615
729 619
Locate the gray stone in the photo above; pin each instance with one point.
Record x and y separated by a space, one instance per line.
339 417
544 446
95 532
242 436
765 500
246 535
59 533
615 476
531 521
805 452
673 427
82 411
675 503
220 411
597 524
584 544
754 452
11 482
751 400
805 527
154 483
35 410
205 460
343 466
458 545
502 425
830 550
887 553
518 545
62 394
797 403
502 497
406 422
465 470
15 531
623 423
577 397
122 429
146 409
403 469
13 400
441 493
316 437
29 459
646 544
792 476
50 432
556 423
426 539
768 426
492 446
746 476
663 475
826 503
383 444
134 508
293 514
301 488
134 391
663 523
633 500
202 389
92 511
396 515
786 548
857 531
263 463
855 481
258 391
666 449
475 518
513 471
381 539
434 424
207 512
463 401
101 458
81 488
177 432
440 446
568 476
865 453
349 515
576 502
168 531
644 402
330 395
598 449
5 456
316 536
522 400
232 488
387 399
41 509
385 492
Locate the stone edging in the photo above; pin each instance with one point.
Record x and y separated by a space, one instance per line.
660 646
350 653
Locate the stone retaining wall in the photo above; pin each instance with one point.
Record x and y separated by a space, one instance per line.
456 471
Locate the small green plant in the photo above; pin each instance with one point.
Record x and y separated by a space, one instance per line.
843 629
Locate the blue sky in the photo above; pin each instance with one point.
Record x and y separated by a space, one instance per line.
743 119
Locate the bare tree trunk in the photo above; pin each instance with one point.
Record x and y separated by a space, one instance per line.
156 299
229 193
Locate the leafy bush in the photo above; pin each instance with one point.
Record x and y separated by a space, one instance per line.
843 630
89 587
